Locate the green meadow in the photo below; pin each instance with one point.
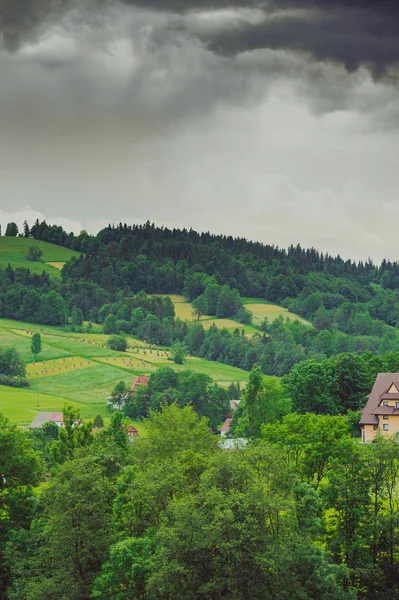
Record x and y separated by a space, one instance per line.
184 311
81 370
13 251
261 309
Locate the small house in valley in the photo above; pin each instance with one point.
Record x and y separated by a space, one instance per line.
132 433
381 413
141 380
47 417
224 430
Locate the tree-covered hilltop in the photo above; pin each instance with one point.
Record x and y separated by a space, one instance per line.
353 306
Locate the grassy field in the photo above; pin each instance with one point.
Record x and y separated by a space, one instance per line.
81 370
184 311
14 250
261 309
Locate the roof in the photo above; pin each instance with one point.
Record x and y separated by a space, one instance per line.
226 425
46 417
132 429
377 395
233 444
141 380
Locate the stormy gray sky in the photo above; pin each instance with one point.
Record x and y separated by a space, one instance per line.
277 120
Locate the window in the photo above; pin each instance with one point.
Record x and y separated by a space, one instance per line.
386 427
385 404
397 405
386 417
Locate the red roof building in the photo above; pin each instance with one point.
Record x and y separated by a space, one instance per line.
224 430
142 380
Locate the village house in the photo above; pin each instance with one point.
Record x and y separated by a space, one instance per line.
141 380
132 433
47 417
381 413
224 430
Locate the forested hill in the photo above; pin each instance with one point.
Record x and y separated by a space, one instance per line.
354 306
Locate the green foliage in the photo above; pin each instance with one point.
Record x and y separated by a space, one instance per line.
20 468
98 422
310 442
117 342
179 353
11 230
72 435
70 541
36 344
268 402
200 307
120 394
166 387
109 325
77 317
34 254
12 369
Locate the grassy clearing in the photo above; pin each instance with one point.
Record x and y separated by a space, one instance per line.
81 370
14 250
22 405
261 309
184 311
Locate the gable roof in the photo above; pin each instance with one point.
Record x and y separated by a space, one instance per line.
226 425
46 417
141 380
379 392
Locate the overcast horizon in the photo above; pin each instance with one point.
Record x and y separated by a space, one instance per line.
277 121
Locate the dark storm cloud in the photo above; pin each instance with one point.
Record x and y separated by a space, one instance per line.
350 32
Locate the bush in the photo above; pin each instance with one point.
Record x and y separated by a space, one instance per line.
98 422
16 381
34 253
117 342
244 316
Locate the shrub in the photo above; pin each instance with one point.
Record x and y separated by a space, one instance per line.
117 342
98 422
16 381
34 253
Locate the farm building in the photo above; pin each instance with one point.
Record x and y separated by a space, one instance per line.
224 430
141 380
132 433
381 413
234 404
233 444
47 417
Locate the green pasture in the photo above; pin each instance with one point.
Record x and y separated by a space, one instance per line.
81 370
14 250
261 309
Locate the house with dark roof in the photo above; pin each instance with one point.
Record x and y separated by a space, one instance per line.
381 413
142 380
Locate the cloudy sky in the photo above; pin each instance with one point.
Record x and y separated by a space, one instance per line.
275 120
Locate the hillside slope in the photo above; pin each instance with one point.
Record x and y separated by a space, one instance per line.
81 370
13 251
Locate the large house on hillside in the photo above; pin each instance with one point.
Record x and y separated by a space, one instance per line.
381 412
